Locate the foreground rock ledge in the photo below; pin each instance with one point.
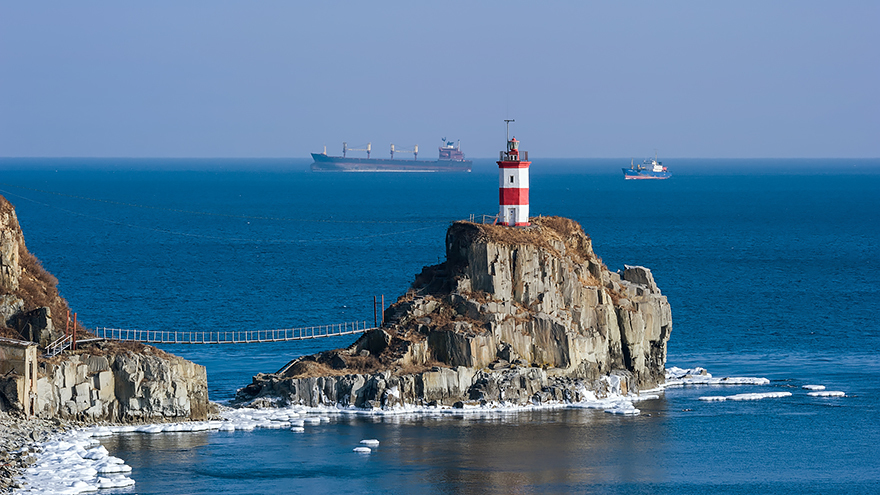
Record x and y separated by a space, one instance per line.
514 315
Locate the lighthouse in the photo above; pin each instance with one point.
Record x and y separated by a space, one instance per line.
513 186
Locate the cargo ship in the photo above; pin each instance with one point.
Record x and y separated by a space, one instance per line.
648 169
451 160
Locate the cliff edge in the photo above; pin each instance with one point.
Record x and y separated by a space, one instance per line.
513 314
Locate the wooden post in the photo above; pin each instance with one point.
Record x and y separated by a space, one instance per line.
383 309
67 324
74 331
375 316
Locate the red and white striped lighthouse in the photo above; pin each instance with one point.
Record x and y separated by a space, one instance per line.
513 188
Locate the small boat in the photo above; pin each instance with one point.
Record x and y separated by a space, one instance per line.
648 169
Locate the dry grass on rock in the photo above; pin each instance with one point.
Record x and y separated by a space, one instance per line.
543 233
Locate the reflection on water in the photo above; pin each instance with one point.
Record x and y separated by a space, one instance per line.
525 452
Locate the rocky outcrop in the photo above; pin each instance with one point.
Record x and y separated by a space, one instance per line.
30 306
123 387
106 382
513 314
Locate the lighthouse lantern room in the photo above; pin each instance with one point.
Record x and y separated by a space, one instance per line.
513 187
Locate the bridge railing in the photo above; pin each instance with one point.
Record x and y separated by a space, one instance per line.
232 336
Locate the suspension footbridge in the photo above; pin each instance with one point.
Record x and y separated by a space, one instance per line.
232 337
212 337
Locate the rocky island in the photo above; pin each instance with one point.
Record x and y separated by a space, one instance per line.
516 315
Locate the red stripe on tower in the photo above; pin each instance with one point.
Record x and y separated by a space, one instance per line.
513 196
513 185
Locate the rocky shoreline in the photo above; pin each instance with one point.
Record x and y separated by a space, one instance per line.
20 439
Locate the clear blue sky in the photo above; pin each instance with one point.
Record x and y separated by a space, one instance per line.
582 79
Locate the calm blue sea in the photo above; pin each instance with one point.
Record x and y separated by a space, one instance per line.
771 268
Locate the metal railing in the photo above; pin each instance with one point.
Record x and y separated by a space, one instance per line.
232 337
59 345
483 218
504 156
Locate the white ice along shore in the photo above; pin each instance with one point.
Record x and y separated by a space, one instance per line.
77 463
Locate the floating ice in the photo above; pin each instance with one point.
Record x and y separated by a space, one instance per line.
276 425
679 377
363 450
372 442
112 465
624 409
114 482
297 429
102 431
753 396
827 393
814 387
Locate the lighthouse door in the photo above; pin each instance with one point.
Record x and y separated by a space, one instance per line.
511 217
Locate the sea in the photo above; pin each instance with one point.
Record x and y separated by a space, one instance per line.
770 267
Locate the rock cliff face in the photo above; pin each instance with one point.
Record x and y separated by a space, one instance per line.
125 382
29 302
513 314
123 387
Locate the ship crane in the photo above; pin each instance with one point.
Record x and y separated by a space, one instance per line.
345 148
414 151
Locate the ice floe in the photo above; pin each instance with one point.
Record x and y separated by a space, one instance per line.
372 442
679 377
827 393
752 396
814 387
363 450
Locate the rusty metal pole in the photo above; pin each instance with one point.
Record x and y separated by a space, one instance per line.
67 324
383 309
375 316
74 331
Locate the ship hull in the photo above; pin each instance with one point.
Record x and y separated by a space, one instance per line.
325 163
630 174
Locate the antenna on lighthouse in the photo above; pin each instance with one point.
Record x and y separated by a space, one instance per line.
508 121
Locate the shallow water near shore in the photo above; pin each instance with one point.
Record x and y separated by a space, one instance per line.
770 271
